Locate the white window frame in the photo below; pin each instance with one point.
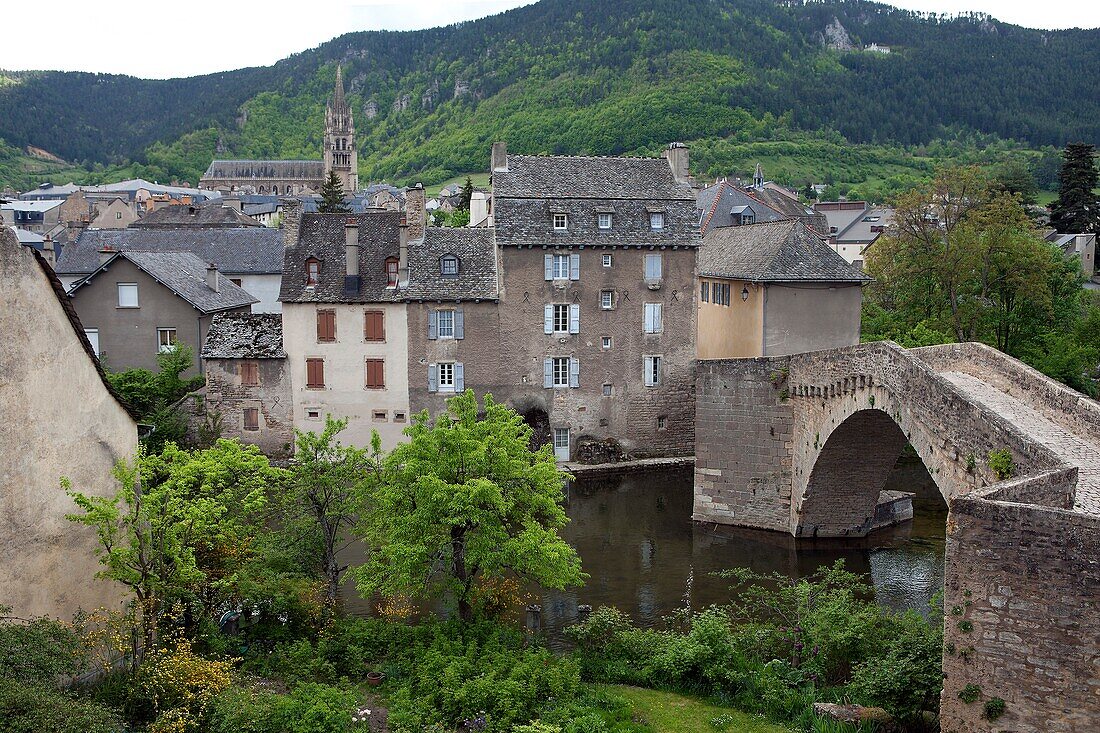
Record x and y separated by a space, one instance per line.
653 318
443 270
440 317
560 370
607 259
608 390
560 267
657 221
560 317
446 368
561 443
136 303
607 299
166 345
92 334
603 221
561 221
651 368
607 342
654 257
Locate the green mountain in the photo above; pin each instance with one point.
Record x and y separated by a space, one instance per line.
785 81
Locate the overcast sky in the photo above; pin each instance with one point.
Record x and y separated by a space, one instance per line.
161 40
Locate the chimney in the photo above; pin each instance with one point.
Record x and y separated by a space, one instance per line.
403 231
500 156
415 211
291 220
212 281
47 249
479 208
351 256
677 156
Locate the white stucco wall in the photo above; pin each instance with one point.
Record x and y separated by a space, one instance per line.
56 419
345 394
264 287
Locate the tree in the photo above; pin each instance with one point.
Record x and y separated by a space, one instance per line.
332 196
465 500
1015 177
467 194
1077 208
153 396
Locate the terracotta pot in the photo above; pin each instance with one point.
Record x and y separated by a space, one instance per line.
375 678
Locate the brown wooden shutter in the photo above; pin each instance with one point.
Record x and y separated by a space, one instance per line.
251 418
374 326
326 325
250 373
376 374
315 372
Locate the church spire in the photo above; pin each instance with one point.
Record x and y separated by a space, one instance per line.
339 146
758 177
338 91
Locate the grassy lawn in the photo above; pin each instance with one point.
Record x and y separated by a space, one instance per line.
668 712
481 180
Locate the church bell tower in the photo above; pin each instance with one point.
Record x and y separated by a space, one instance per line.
340 155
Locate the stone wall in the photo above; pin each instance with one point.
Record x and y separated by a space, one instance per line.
273 398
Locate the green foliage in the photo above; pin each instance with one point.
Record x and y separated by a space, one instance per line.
38 651
1001 464
153 396
332 196
994 708
465 499
906 679
1077 208
970 693
27 708
310 707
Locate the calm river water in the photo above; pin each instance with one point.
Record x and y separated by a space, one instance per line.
639 546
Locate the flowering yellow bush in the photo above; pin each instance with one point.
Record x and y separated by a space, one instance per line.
180 684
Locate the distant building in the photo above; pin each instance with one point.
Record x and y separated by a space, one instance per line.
876 48
772 289
1082 247
292 177
727 203
33 216
212 216
853 226
114 213
138 304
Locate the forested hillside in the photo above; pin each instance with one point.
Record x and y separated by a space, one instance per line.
600 77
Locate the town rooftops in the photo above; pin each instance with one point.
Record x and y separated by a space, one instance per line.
535 176
244 336
278 169
235 251
129 187
196 216
185 275
779 251
475 252
35 206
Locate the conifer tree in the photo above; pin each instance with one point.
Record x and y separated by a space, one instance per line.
1077 208
332 196
467 194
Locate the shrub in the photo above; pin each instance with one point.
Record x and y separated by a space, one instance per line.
39 651
243 709
179 685
315 708
908 677
970 693
994 708
1001 463
36 708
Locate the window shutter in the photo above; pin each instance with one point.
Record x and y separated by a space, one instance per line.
574 372
547 373
575 318
648 318
658 318
548 319
433 325
433 378
574 267
460 377
648 367
548 265
460 327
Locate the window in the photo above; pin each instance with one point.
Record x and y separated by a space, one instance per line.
656 220
607 299
561 444
236 281
313 271
374 326
607 390
313 414
127 295
561 371
315 373
722 293
748 219
704 291
376 374
392 266
398 416
605 223
251 418
446 377
662 422
561 267
166 340
653 319
653 267
93 339
652 371
561 222
607 342
249 372
607 260
118 215
561 318
379 415
446 324
448 266
326 326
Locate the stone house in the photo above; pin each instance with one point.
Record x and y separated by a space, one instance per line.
248 380
344 323
854 226
772 289
138 304
251 257
597 319
113 213
75 426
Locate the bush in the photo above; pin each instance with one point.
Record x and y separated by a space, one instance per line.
315 708
179 686
39 651
37 708
908 677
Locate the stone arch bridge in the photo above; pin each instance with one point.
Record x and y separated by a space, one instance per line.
804 444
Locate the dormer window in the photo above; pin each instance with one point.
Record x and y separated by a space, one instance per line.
604 221
448 266
561 222
657 220
392 267
313 272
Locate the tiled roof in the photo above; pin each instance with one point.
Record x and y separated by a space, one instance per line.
235 251
244 336
185 275
780 251
321 236
196 216
477 271
534 176
275 169
717 203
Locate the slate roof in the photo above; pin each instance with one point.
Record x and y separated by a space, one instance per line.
196 216
274 169
244 336
321 236
185 275
717 203
477 270
235 251
535 176
779 251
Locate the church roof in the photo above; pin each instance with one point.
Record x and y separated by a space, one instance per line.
273 169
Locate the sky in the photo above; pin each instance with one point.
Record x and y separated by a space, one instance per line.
161 40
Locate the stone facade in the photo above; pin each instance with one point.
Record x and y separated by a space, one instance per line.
228 396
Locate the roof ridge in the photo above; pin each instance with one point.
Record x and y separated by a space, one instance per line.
584 157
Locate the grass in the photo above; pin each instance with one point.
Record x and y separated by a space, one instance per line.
481 180
669 712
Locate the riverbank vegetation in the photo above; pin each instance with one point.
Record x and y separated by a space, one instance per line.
232 624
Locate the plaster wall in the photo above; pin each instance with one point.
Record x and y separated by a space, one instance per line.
733 331
810 317
263 287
